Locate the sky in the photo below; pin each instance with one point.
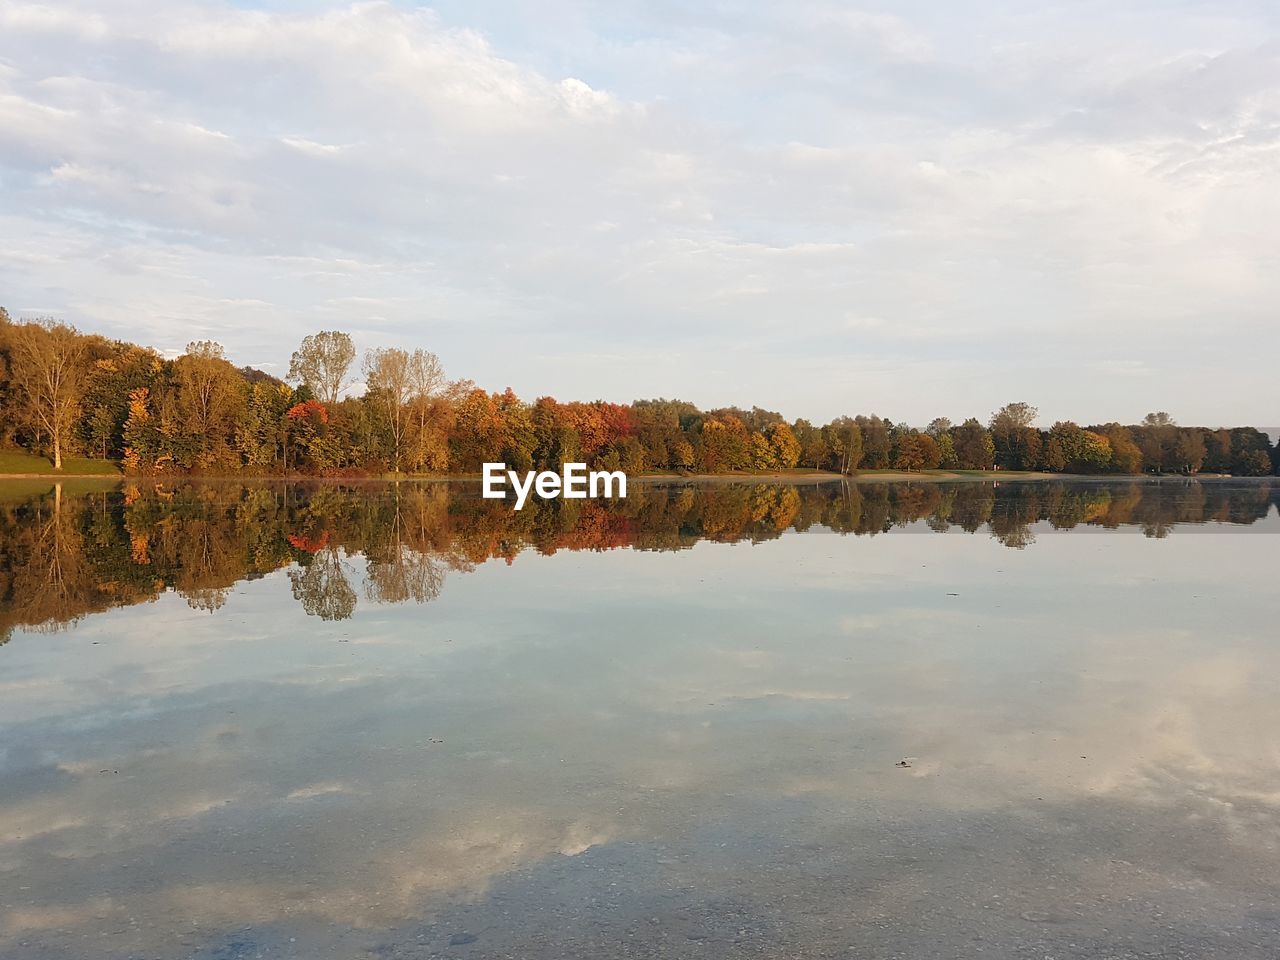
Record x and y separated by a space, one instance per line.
913 209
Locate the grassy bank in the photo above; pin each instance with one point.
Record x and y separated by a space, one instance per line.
15 463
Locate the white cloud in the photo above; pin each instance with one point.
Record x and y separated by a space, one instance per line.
1012 200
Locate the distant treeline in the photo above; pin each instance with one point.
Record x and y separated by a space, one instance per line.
63 392
63 557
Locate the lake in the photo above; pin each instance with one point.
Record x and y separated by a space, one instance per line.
921 720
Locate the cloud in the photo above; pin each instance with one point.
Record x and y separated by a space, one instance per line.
326 793
1013 195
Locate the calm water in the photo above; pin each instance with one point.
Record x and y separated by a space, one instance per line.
321 722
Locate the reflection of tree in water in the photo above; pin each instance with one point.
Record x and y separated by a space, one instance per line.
1012 517
404 574
322 587
1017 536
205 554
774 506
62 557
914 501
401 561
207 599
44 590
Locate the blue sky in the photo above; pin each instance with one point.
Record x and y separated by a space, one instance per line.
911 209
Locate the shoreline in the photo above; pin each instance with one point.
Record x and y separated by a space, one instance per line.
817 476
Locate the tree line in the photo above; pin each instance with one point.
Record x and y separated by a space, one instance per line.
65 393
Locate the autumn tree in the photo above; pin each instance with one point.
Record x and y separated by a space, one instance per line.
1082 451
47 361
307 425
1252 463
1156 437
478 430
761 454
1125 455
1218 451
118 370
7 425
844 442
783 444
725 444
974 448
199 412
909 453
427 391
210 397
1013 415
1016 442
938 427
914 450
1189 450
1250 452
813 445
322 362
683 456
262 433
1054 455
946 450
390 381
876 443
659 427
516 436
774 448
555 440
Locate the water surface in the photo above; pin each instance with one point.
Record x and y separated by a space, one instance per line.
369 721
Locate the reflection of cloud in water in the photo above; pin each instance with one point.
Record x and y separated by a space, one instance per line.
737 742
320 790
